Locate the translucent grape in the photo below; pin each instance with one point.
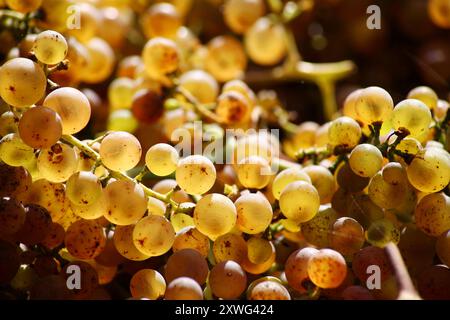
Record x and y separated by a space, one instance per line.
191 238
90 20
100 63
299 201
55 236
201 85
254 213
120 151
14 152
230 247
227 280
50 47
432 214
83 188
187 263
85 239
12 216
382 232
226 59
122 120
161 20
58 163
344 131
346 236
287 176
265 42
17 77
374 104
40 127
317 230
167 185
254 172
120 93
233 108
413 115
430 170
195 174
259 250
162 159
8 123
269 290
366 160
148 284
215 215
72 106
349 109
153 236
426 95
184 288
95 210
24 6
156 207
161 57
240 15
386 195
323 180
296 268
181 221
327 269
123 241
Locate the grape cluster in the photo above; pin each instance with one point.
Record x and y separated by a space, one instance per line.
302 217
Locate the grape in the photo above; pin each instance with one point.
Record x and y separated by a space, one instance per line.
167 185
226 59
55 236
36 226
382 232
120 151
327 269
347 236
191 238
100 63
153 236
366 160
430 170
24 279
240 15
259 250
317 230
287 176
72 106
413 115
369 256
24 6
323 181
241 87
187 263
120 93
299 201
195 174
156 207
93 211
58 163
90 20
68 219
441 110
233 108
89 279
123 241
374 104
181 221
85 239
386 195
265 42
261 145
438 11
254 213
40 127
227 280
122 120
433 283
349 109
344 131
432 214
443 247
349 180
9 255
356 293
83 188
147 106
14 152
184 288
230 247
259 268
269 290
51 196
162 159
53 287
254 172
15 181
161 20
426 95
296 268
50 47
8 124
12 216
200 85
161 57
148 284
394 173
128 66
17 77
110 257
417 249
215 215
126 202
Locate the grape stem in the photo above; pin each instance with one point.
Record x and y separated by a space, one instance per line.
407 290
92 154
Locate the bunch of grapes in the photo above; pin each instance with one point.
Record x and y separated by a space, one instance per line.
104 169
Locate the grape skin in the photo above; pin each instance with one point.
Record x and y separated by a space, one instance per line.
50 47
366 160
300 201
187 263
432 214
12 216
195 174
161 159
327 269
153 236
184 288
85 239
148 284
123 241
230 247
254 213
269 290
227 280
191 238
120 151
58 163
296 268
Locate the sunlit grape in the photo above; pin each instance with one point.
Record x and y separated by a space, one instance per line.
153 235
50 47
